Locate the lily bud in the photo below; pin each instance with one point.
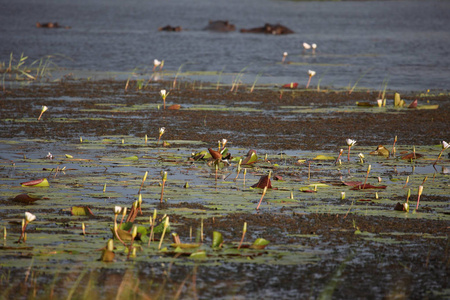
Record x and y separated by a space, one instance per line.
134 232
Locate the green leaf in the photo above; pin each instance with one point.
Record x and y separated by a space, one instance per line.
81 211
160 227
217 239
260 243
198 255
134 157
323 157
126 226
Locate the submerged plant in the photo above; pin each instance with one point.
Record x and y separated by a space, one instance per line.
445 145
350 143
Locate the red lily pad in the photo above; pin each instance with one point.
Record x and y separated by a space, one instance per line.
263 182
292 85
37 182
413 104
367 186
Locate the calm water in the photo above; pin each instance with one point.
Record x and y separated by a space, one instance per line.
406 42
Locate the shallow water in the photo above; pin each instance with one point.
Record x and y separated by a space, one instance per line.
406 42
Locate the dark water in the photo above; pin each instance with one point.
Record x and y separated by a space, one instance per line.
406 42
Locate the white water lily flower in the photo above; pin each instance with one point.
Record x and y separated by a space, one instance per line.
361 155
163 93
162 130
314 46
311 73
306 46
285 54
44 108
350 142
29 217
156 62
445 145
117 210
49 156
224 141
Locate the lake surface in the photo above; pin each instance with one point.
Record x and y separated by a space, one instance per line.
404 42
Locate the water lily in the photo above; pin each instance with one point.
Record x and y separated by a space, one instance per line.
361 158
49 156
311 73
156 63
43 110
164 95
285 54
313 46
29 217
350 143
306 46
117 210
161 132
445 145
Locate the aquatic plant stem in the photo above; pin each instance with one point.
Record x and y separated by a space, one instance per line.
339 156
143 180
440 154
262 196
418 197
244 231
162 192
166 224
309 81
348 154
367 175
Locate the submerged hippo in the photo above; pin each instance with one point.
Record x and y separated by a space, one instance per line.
269 29
50 25
170 28
222 26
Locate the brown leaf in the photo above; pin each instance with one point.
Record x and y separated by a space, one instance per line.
25 198
174 106
367 186
351 183
263 182
411 156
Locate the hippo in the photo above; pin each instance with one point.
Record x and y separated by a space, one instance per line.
221 26
269 29
50 25
170 28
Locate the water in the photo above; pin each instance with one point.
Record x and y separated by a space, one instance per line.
406 42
